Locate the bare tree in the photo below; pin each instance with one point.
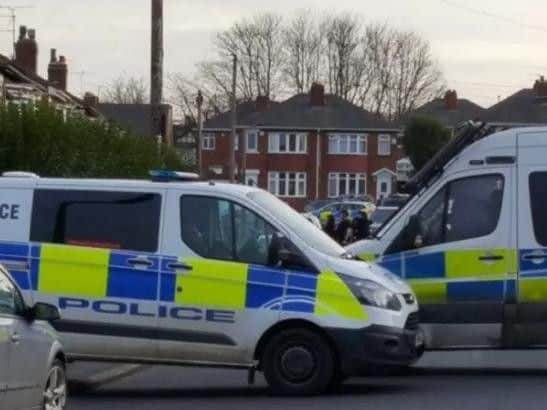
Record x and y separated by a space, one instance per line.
257 43
126 91
304 46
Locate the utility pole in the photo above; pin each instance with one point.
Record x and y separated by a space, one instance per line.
199 103
156 65
232 163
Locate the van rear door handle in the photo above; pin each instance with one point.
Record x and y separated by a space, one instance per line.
491 258
140 262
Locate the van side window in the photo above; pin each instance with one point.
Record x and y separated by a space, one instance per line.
463 209
101 219
538 199
216 228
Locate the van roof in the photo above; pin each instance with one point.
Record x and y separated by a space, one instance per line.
213 186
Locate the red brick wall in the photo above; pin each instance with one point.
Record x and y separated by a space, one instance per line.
265 162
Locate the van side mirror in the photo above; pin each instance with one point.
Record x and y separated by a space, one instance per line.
43 311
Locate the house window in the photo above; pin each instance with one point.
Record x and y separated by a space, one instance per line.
384 145
251 177
347 184
287 184
287 143
353 144
208 142
252 141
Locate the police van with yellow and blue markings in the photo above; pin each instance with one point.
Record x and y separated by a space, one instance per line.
472 241
197 273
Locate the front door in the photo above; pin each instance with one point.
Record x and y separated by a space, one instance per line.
383 185
26 350
216 279
457 255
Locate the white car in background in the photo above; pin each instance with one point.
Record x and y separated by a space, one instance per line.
32 362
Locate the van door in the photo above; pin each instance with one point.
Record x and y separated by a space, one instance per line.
532 239
456 252
216 280
94 256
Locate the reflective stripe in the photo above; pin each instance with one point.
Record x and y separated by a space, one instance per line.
212 283
335 298
73 270
532 289
429 292
367 256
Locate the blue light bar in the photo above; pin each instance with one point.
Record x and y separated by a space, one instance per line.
162 175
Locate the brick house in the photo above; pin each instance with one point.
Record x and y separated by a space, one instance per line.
20 82
311 146
449 111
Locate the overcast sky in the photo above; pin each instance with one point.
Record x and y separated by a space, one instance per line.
487 48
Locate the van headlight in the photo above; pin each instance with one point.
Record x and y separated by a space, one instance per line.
372 294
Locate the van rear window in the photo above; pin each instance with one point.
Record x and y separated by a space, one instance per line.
99 219
538 199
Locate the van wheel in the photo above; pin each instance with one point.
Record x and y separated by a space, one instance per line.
55 391
298 362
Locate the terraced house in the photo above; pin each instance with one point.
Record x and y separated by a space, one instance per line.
311 146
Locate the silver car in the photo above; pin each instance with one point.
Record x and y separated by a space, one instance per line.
32 363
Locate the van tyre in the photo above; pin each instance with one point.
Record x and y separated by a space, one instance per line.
298 362
55 390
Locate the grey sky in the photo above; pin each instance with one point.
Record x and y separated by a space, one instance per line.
482 57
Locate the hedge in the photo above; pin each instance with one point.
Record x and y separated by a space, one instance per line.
37 138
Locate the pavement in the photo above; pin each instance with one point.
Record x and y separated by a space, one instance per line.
455 380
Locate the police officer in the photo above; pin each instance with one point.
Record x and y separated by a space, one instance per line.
361 226
324 216
343 231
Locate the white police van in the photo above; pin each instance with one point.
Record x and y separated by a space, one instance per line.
472 241
196 273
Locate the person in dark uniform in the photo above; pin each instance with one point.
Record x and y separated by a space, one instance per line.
330 226
361 226
343 231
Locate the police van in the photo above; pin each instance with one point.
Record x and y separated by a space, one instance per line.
472 241
196 273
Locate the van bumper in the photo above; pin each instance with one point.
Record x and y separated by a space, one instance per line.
360 349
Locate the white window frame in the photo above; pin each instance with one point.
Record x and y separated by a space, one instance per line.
347 139
252 174
299 178
208 142
336 176
248 149
274 146
384 140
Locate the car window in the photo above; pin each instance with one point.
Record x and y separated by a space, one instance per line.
220 229
114 220
446 217
9 296
538 199
484 196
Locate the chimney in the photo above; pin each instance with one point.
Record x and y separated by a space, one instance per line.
57 71
540 87
262 103
26 51
317 95
91 100
451 100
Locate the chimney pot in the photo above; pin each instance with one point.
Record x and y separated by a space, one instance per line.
262 103
57 71
540 87
451 100
26 51
317 95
